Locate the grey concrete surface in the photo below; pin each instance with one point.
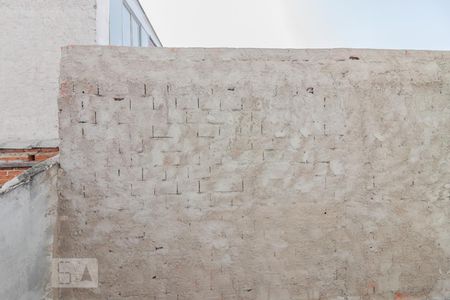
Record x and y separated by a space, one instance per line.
256 174
32 35
27 220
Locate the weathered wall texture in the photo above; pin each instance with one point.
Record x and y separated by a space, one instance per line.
32 35
27 219
257 174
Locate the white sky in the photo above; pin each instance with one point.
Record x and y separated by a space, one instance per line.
393 24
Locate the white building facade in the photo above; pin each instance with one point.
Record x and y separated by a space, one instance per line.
32 35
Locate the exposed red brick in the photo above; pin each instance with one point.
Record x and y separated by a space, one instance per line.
15 173
7 175
44 156
22 155
38 150
12 158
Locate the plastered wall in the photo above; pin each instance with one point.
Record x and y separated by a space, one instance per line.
256 174
32 34
27 220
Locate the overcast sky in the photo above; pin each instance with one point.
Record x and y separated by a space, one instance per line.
393 24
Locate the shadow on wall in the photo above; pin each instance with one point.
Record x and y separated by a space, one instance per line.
27 218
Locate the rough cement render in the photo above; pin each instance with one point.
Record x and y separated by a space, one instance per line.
27 220
32 35
256 174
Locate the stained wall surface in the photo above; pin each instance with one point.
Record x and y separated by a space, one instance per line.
27 221
256 174
32 35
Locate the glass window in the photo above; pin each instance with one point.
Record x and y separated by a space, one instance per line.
126 25
136 32
115 23
125 28
144 38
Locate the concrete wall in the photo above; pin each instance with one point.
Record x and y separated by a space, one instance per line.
27 219
257 174
31 37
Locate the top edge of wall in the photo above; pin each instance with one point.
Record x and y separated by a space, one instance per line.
242 53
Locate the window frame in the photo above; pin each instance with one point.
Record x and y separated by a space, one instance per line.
140 28
130 36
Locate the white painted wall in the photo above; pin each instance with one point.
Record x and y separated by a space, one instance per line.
32 33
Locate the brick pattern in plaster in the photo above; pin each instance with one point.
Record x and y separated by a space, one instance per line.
256 174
